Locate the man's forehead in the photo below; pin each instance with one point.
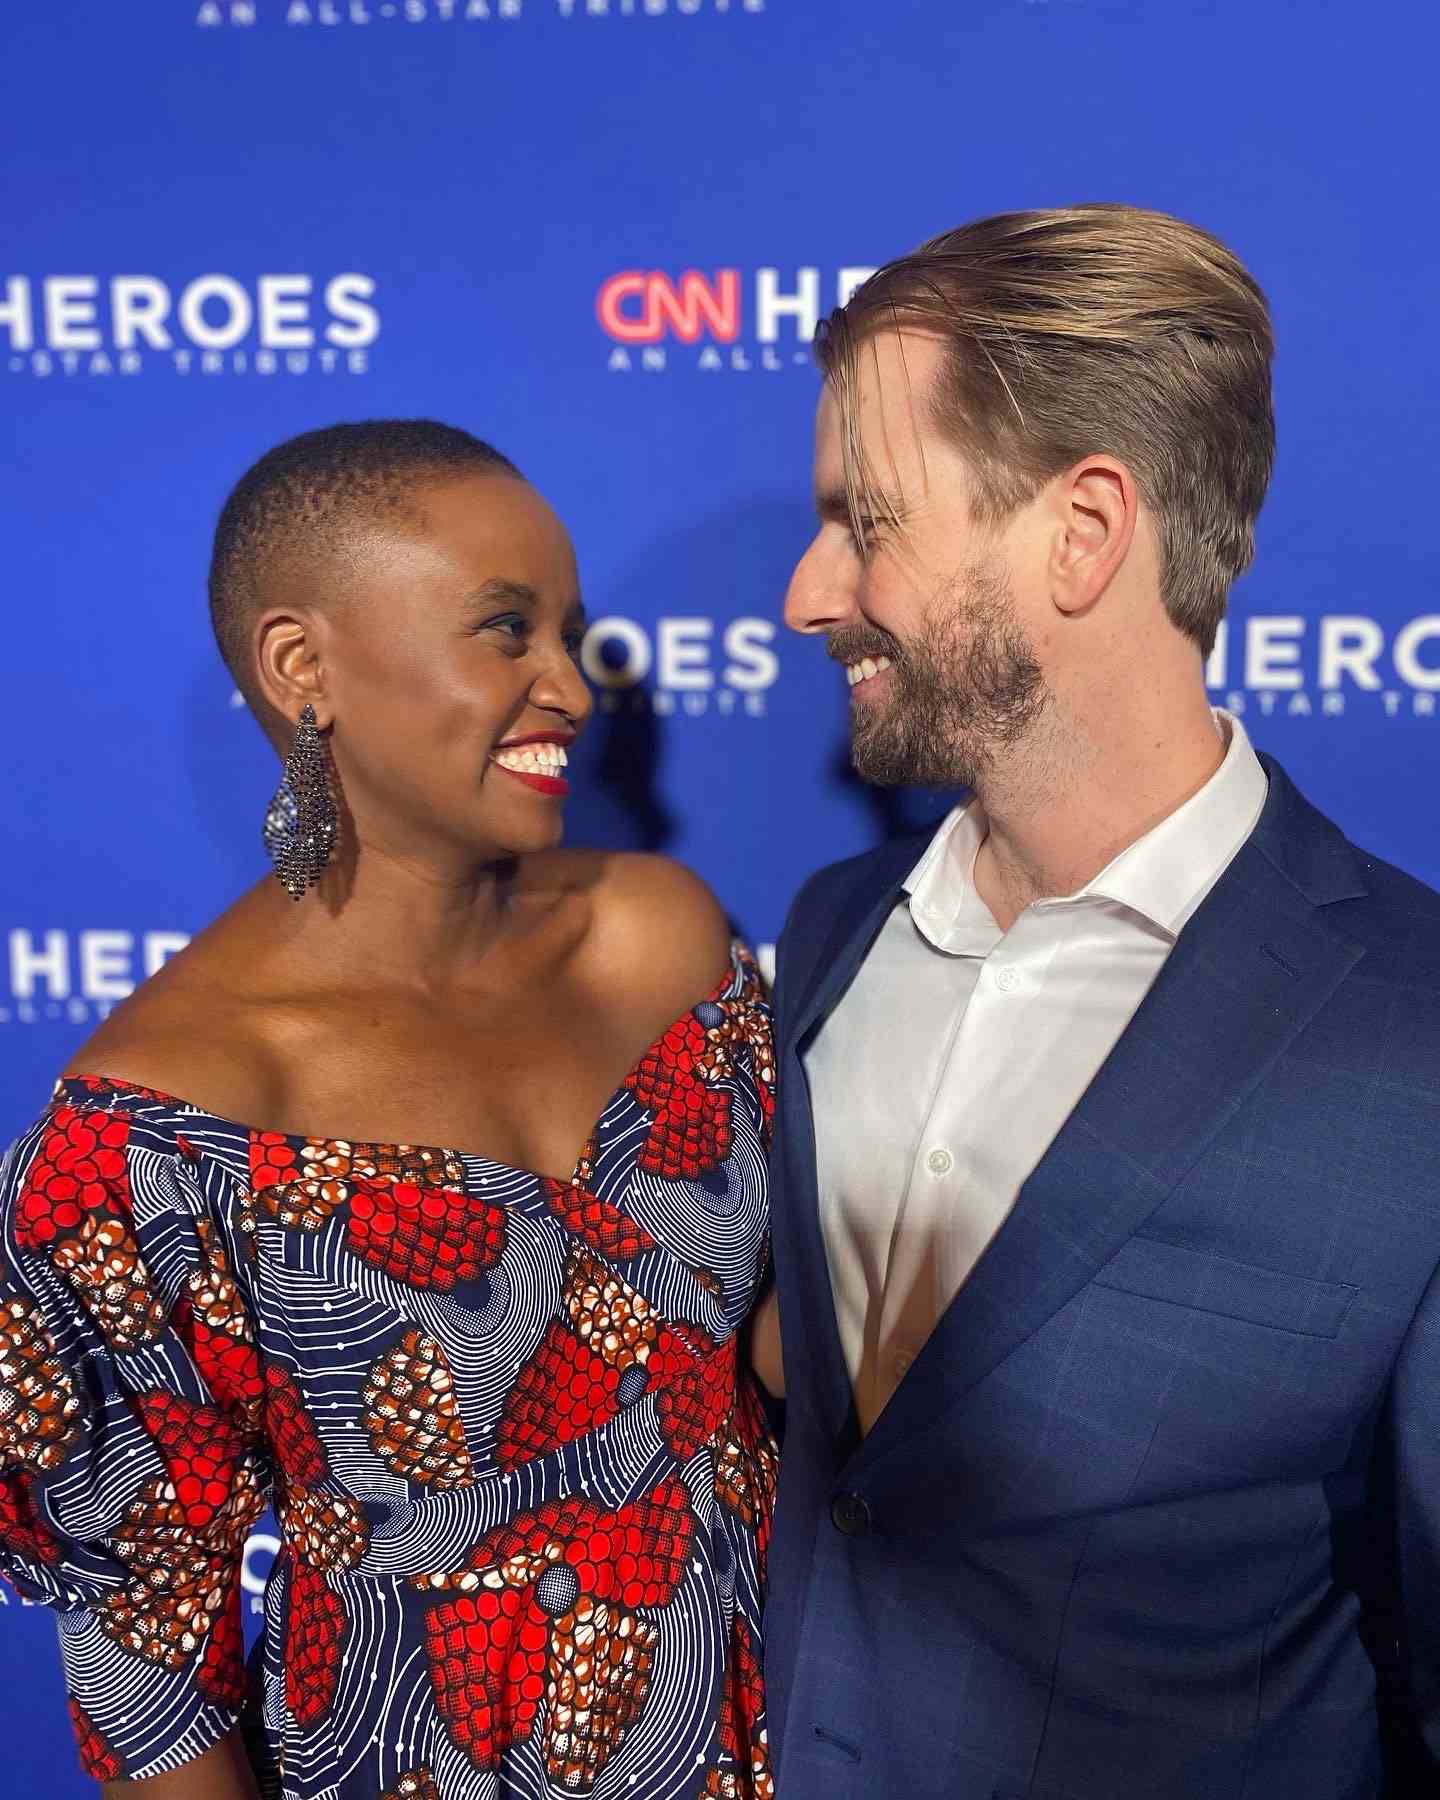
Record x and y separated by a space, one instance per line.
883 402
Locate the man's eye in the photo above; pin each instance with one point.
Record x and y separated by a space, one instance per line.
574 642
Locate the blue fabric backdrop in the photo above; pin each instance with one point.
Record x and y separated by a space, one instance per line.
598 232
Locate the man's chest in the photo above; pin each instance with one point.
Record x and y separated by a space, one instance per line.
938 1082
951 1074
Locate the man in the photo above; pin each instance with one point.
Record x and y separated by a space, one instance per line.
1107 1207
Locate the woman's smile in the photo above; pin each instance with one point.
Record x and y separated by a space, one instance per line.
536 759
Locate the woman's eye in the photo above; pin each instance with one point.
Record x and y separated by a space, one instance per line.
513 625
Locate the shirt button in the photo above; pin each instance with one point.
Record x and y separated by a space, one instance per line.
940 1161
850 1514
1008 979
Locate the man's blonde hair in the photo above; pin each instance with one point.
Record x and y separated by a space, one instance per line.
1078 330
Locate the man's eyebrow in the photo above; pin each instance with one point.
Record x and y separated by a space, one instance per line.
834 503
501 591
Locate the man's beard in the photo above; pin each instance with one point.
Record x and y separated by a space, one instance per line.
966 687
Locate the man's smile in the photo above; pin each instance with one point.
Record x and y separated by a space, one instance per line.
866 669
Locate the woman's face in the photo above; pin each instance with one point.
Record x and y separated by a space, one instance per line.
450 674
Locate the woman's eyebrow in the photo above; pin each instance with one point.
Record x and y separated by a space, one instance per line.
501 591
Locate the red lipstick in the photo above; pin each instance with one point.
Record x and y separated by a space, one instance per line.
543 784
554 785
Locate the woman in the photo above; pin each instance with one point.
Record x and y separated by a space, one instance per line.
422 1195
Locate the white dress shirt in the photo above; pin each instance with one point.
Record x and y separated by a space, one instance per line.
958 1052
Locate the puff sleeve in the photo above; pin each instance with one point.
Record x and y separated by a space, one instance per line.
131 1463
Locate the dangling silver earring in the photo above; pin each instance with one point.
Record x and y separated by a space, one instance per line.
300 821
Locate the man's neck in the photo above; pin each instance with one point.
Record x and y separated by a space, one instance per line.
1060 810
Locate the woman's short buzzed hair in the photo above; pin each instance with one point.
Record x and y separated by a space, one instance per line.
1086 329
298 499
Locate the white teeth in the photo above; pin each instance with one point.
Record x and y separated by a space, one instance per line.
532 759
867 666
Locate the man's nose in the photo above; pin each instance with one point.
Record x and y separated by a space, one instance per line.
819 597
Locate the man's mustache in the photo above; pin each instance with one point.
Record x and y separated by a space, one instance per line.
849 643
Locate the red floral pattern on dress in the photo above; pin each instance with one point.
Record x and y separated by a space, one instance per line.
744 1740
565 1391
184 1578
747 1467
690 1132
97 1758
212 1321
599 1223
407 1209
300 1177
679 1080
571 1383
744 1025
696 1388
411 1414
429 1237
22 1529
75 1205
298 1450
546 1609
414 1784
314 1640
38 1402
324 1531
302 1185
201 1450
81 1164
182 1539
221 1674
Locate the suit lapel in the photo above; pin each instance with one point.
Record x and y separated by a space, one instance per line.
812 1337
853 930
1250 970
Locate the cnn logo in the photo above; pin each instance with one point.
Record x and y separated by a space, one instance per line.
642 306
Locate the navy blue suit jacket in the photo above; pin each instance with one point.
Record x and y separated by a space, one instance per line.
1155 1515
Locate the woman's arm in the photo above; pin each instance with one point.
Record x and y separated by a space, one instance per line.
222 1773
765 1354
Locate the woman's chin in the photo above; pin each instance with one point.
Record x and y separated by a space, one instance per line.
533 838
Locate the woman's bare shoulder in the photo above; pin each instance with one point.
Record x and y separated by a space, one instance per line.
652 924
189 1031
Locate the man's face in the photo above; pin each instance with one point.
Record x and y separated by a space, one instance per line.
938 620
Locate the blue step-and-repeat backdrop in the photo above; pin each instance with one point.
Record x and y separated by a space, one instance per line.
599 232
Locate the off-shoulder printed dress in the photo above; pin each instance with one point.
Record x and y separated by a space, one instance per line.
522 1486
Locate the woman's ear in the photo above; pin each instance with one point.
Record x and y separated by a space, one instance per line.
289 666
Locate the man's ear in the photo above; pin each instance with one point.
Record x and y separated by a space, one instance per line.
289 664
1095 505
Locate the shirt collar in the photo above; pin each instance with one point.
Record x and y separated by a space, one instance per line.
1162 877
944 903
